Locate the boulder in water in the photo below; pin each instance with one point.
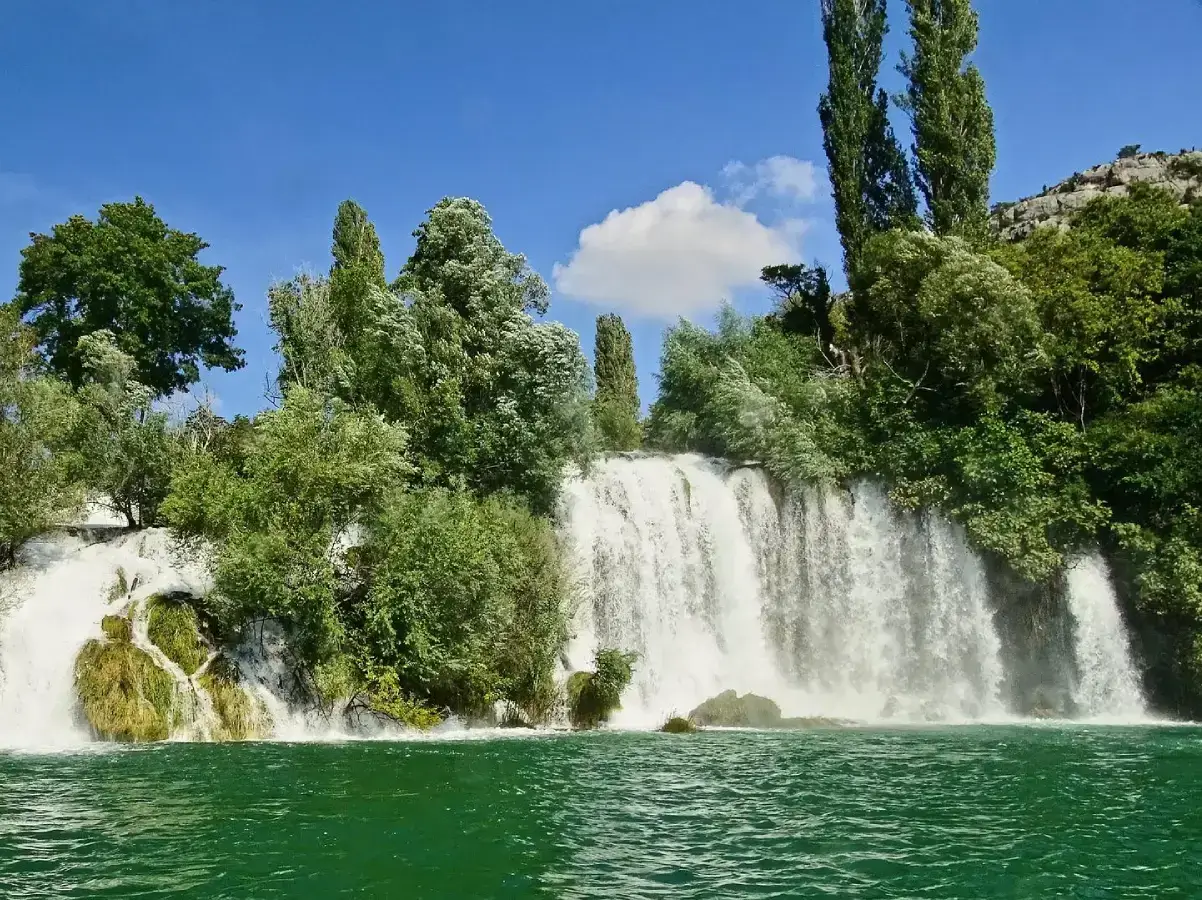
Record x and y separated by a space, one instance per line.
729 710
678 725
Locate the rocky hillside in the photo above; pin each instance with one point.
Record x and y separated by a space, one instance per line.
1180 173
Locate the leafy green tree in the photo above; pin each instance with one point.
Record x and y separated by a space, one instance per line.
870 176
616 403
130 274
38 487
466 601
954 146
311 344
804 301
313 470
126 449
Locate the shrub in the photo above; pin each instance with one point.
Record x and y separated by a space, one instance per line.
678 725
174 629
123 694
594 696
1128 151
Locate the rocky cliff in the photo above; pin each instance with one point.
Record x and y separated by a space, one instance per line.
1180 173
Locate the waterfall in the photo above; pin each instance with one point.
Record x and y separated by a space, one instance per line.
1107 683
831 602
52 604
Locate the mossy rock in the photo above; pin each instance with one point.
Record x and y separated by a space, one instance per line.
174 629
239 717
729 710
678 725
116 628
123 694
585 708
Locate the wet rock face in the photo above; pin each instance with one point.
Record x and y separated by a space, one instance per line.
1179 173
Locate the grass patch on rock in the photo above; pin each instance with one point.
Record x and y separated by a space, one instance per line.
174 629
678 725
116 628
239 717
123 694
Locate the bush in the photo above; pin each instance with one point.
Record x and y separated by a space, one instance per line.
174 629
678 725
595 696
123 694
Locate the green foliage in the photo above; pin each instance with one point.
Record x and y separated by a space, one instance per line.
128 273
467 601
616 403
955 326
870 177
38 482
174 628
804 301
954 146
124 696
1186 167
126 450
595 696
312 469
1127 151
679 725
387 698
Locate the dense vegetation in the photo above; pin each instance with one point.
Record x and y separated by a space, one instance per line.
1046 394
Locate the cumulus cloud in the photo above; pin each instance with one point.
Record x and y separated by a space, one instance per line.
779 177
685 251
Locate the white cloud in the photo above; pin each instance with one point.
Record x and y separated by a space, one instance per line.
680 254
779 177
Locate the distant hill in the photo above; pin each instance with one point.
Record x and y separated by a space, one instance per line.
1180 173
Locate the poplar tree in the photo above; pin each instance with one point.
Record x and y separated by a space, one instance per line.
954 148
616 405
870 178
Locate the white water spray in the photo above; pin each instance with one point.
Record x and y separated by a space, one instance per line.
832 603
1107 682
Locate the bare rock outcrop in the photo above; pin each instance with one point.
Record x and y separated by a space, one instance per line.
1179 173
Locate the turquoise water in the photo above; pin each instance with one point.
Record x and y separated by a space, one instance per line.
975 812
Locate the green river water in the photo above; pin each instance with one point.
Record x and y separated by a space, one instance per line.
971 812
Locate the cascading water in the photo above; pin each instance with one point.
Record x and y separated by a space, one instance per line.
831 602
1107 683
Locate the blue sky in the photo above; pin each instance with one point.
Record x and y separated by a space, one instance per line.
248 122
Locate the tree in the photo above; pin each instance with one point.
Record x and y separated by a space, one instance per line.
616 403
356 277
38 487
954 147
804 301
127 451
870 178
130 274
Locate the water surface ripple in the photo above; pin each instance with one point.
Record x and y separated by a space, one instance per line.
975 812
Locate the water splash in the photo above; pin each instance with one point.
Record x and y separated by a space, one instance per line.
1107 683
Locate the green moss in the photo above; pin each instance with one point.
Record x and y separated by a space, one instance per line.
120 586
116 628
123 694
239 717
678 725
174 629
729 710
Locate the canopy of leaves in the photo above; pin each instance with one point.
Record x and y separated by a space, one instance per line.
130 274
616 403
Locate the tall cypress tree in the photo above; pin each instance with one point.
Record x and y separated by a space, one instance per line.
870 177
616 407
355 242
954 146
